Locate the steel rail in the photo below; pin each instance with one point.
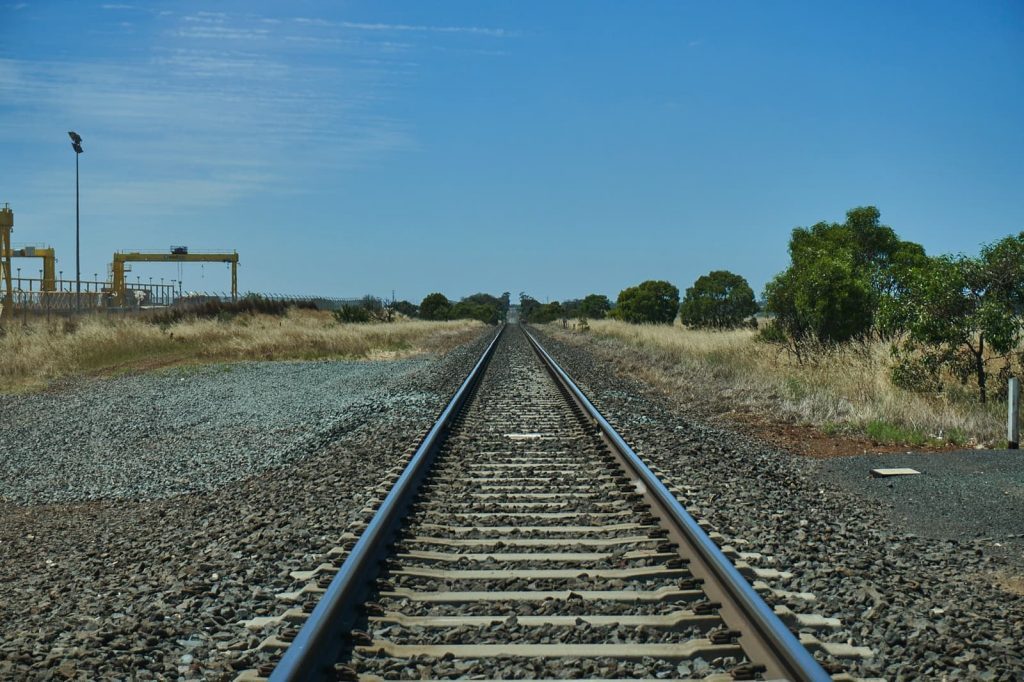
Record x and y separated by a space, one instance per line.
763 633
314 651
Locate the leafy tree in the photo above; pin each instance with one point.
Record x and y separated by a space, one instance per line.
435 307
595 307
719 300
571 308
470 310
406 308
962 313
499 305
838 276
653 301
527 305
825 299
546 312
532 310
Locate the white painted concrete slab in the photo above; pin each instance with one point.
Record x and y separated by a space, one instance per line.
901 471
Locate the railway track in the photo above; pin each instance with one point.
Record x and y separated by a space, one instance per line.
525 538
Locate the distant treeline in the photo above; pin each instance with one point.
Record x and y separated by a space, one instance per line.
484 307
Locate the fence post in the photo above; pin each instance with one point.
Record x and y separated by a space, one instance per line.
1013 414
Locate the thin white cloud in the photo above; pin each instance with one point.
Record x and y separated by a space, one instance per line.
415 28
475 30
116 7
222 32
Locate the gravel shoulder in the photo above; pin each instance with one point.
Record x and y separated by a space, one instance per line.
147 584
968 495
944 609
184 430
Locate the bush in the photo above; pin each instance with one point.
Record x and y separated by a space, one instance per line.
214 308
595 307
653 301
435 306
468 310
771 333
405 308
349 314
718 300
838 275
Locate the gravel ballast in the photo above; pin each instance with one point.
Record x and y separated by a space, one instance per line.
929 608
139 588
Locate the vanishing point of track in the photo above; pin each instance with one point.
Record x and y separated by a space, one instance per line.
525 538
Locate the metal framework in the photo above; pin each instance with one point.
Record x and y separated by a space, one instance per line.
119 290
49 256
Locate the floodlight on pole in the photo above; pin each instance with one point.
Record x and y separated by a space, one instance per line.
76 144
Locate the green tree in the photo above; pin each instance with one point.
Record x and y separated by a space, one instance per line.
527 305
838 276
653 301
719 300
435 306
963 313
595 307
825 299
546 312
406 308
499 304
471 310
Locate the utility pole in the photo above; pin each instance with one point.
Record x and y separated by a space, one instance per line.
76 144
1013 417
6 227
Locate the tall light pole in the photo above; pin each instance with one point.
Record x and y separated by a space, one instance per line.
76 144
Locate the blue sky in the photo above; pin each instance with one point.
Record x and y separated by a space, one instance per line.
558 148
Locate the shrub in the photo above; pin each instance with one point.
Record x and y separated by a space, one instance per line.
405 308
718 300
469 310
435 306
653 301
349 314
838 276
595 307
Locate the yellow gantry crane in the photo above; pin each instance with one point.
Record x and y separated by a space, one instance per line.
49 263
177 254
49 282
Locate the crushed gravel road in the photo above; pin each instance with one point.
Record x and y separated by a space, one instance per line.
184 430
933 609
140 588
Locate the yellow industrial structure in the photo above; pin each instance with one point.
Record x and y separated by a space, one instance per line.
176 255
49 257
6 227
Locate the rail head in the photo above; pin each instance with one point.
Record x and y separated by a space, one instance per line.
791 658
313 652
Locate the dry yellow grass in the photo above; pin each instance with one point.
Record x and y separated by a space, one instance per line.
37 353
846 390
